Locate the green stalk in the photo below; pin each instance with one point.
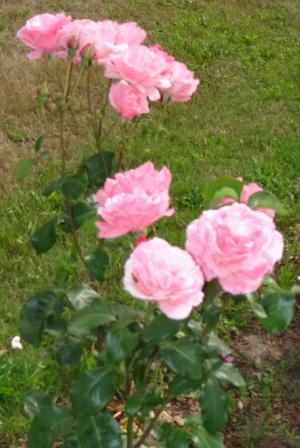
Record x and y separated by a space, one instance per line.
66 92
151 425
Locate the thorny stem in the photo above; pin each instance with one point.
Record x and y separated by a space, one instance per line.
151 425
130 432
66 92
102 114
98 134
150 361
89 98
97 130
73 231
131 418
125 137
76 84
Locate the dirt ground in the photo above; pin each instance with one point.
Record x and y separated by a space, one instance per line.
274 404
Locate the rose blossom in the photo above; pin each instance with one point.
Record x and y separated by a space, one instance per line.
143 68
99 38
130 33
159 50
167 275
40 33
133 200
183 83
236 245
127 100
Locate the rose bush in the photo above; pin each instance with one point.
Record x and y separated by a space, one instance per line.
137 355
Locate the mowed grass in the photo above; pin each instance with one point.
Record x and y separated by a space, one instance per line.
244 121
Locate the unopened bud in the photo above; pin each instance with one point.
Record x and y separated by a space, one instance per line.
140 239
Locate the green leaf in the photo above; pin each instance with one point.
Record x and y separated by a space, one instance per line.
34 315
99 167
211 314
183 357
256 307
45 237
69 352
225 192
214 406
127 314
180 386
81 212
89 226
82 295
215 345
202 439
266 199
55 326
152 399
133 404
71 442
96 264
87 320
74 186
119 343
23 168
99 431
93 391
173 437
279 307
36 401
52 423
212 187
39 143
55 185
211 290
228 373
161 328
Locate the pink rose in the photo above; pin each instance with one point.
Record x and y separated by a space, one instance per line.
236 245
159 50
167 275
133 200
128 101
143 68
40 33
247 191
99 38
130 33
183 83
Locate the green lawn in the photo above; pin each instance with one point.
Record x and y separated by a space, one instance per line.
244 121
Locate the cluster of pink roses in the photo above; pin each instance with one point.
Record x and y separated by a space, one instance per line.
144 73
234 244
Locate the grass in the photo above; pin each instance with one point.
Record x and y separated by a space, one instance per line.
242 122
